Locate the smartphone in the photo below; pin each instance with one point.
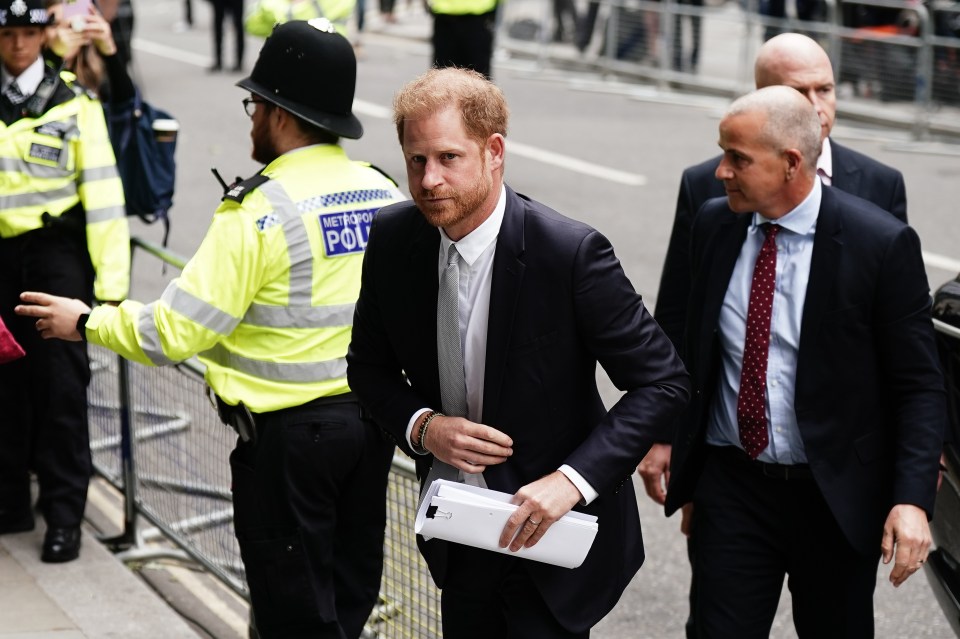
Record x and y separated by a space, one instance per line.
76 11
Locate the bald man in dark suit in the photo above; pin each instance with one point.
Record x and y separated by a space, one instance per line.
811 447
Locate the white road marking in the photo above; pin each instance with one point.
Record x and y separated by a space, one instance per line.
381 112
530 152
171 53
576 165
942 262
373 110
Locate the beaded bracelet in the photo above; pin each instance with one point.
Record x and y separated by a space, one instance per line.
422 433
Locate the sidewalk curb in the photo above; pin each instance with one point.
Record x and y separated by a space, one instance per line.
98 596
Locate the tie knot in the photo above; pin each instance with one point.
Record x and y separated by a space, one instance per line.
770 230
453 255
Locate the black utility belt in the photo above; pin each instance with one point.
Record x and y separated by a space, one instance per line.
245 422
774 471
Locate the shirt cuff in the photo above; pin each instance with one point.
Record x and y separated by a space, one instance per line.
413 422
586 490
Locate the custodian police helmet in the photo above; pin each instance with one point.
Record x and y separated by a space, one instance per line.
308 69
23 13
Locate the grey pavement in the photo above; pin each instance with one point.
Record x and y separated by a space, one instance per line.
94 597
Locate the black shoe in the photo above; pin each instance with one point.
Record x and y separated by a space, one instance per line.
60 545
216 68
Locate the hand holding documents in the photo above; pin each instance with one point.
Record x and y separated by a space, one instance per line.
475 517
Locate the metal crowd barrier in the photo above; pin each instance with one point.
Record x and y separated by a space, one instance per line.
156 437
904 73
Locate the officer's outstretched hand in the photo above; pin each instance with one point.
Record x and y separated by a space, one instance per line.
56 316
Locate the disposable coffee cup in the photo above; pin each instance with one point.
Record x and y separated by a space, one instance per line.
165 130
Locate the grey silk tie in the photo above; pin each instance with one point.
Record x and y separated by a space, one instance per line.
453 387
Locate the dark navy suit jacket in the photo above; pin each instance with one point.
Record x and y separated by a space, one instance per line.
559 304
869 401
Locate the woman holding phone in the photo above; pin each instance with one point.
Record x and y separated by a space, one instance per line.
84 41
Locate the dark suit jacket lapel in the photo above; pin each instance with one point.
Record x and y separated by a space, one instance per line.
508 269
421 315
727 245
846 174
827 248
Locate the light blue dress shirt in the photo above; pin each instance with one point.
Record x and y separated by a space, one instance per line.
794 252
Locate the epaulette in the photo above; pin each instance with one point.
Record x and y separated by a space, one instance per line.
240 190
380 171
69 80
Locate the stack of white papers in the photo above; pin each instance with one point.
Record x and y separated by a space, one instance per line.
476 516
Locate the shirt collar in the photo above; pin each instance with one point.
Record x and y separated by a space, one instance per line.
803 218
28 81
476 241
825 161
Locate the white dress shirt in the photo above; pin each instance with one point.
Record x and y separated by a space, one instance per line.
477 250
27 82
794 253
825 163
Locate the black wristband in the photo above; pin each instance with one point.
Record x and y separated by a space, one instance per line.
82 326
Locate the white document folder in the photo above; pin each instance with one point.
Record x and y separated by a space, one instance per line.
476 516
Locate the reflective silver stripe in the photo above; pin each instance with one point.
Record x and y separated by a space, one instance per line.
64 160
99 173
65 129
150 337
199 311
298 243
37 198
16 165
299 317
105 214
299 372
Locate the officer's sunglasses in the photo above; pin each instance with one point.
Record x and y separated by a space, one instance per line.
250 105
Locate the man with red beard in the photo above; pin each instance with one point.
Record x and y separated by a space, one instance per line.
481 319
266 303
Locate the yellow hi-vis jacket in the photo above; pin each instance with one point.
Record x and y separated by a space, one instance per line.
50 163
265 14
462 7
267 301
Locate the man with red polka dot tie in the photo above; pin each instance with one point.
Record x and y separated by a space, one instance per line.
812 444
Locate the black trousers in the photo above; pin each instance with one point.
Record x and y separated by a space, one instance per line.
310 511
44 395
220 10
488 595
463 41
749 530
689 62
